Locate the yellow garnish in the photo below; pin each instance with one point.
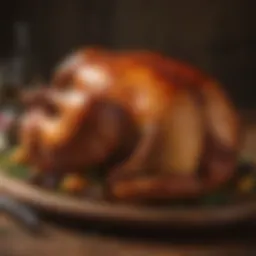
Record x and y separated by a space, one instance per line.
19 156
246 184
73 184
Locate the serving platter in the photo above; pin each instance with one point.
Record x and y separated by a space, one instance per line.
86 210
14 184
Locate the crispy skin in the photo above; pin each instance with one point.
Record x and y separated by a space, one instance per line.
163 118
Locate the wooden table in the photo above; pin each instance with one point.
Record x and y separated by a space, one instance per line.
59 240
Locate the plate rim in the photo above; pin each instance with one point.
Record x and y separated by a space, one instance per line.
106 211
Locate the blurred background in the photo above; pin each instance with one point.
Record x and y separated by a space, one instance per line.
218 36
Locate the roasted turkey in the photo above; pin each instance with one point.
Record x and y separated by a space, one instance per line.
161 128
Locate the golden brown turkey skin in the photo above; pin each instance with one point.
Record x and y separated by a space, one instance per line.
174 128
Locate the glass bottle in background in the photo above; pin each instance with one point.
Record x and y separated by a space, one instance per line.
17 73
21 60
19 69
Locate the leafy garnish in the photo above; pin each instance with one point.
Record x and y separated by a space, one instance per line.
11 168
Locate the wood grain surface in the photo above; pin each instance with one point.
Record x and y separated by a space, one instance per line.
61 241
